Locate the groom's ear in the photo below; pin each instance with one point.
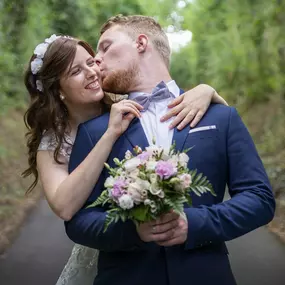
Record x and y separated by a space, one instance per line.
142 42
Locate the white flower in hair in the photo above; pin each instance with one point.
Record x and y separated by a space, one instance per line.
40 50
51 39
39 85
36 65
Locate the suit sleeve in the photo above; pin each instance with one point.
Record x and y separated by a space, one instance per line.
252 204
86 227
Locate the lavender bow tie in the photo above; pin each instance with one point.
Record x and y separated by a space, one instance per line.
160 92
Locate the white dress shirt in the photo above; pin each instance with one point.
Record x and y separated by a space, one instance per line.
150 119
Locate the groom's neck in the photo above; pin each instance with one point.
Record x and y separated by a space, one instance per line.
149 76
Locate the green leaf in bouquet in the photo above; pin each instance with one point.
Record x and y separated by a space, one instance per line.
101 200
189 199
107 165
200 184
176 205
188 149
110 218
142 175
172 147
139 213
174 180
117 161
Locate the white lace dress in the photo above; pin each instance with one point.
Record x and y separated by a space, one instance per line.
81 267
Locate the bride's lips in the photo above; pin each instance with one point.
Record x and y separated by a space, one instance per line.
93 85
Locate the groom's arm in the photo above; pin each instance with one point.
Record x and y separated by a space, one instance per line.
252 204
86 227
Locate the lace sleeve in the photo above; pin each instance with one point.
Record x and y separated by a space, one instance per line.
49 142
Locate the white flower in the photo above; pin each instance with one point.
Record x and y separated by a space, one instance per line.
51 39
153 178
143 183
126 202
132 164
155 190
150 165
40 50
165 154
109 183
36 65
185 180
153 149
147 202
128 155
39 85
134 174
183 159
135 191
161 194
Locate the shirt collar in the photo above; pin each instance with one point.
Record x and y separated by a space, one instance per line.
172 86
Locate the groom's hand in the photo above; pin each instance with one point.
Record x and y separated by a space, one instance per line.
180 233
160 230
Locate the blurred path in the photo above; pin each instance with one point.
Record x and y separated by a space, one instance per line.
40 252
42 248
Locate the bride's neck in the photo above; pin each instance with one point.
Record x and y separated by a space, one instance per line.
81 114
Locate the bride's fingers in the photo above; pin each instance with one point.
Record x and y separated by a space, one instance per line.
137 105
131 105
130 109
176 101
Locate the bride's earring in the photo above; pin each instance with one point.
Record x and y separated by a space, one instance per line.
61 97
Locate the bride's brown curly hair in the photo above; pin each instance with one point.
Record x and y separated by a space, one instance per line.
46 110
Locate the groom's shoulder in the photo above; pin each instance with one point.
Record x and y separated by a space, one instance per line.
221 111
97 125
222 114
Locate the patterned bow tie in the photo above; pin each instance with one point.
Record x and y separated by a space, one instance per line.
160 92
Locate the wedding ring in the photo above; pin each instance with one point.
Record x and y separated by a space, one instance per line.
153 229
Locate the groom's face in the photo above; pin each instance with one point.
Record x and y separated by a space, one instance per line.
117 58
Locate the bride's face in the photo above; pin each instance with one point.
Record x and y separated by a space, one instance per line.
81 84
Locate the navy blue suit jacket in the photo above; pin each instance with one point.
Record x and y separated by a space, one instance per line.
227 156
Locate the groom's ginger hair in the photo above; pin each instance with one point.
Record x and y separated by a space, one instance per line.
137 24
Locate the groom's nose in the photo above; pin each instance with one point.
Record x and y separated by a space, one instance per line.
98 60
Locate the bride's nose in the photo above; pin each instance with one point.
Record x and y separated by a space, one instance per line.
92 72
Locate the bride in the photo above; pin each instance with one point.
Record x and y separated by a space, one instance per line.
64 84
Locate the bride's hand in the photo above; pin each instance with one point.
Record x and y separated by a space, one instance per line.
192 105
122 113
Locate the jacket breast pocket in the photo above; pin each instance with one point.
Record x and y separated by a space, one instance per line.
207 137
206 148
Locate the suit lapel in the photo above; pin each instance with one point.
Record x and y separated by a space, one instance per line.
135 134
179 137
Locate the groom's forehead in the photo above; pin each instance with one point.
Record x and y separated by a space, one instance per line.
112 34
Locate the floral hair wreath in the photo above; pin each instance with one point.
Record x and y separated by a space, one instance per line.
40 51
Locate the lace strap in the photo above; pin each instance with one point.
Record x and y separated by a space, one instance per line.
48 142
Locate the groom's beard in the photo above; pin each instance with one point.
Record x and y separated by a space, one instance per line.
121 81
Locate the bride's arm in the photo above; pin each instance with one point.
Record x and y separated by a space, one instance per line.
59 186
192 105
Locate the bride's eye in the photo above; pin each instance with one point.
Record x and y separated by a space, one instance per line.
91 62
75 71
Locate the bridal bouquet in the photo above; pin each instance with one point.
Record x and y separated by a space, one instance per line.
146 184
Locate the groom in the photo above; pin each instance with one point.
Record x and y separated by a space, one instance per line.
133 55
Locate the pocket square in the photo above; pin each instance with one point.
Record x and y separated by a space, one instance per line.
205 128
